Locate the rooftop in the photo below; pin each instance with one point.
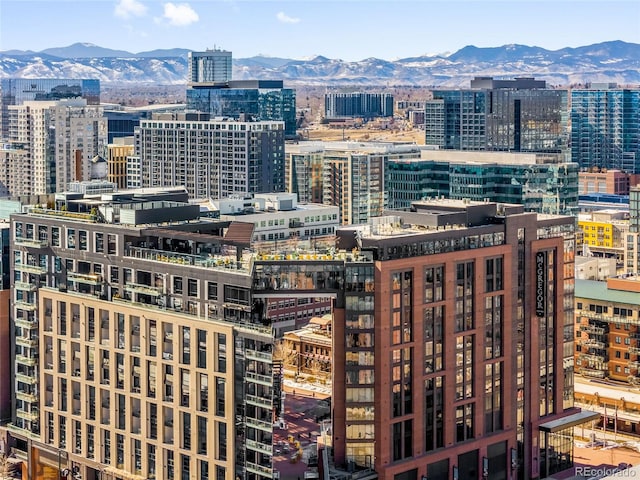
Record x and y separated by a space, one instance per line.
594 290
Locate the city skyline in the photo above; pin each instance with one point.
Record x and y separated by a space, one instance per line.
307 28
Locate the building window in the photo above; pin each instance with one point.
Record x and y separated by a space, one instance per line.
402 381
493 397
192 287
433 339
464 422
222 441
464 296
186 345
202 435
99 248
220 396
202 348
222 353
402 438
212 291
433 284
493 274
177 285
434 409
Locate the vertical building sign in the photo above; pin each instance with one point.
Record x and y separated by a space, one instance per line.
541 284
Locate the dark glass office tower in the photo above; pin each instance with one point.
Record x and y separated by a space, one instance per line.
261 100
518 115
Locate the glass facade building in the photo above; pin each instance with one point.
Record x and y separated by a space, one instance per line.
210 66
261 100
16 91
605 128
358 104
499 116
542 188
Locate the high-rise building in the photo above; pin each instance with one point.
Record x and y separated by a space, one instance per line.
211 158
605 127
210 66
350 175
16 91
116 156
543 183
54 143
262 100
358 104
5 324
142 345
519 115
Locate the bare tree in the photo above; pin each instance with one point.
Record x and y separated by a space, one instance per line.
7 468
286 355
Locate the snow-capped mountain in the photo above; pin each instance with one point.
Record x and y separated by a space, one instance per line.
614 61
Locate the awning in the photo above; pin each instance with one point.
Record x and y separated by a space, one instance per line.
569 421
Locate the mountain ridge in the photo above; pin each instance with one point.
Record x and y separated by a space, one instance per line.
613 61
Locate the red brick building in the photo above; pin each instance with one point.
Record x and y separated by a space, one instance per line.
458 363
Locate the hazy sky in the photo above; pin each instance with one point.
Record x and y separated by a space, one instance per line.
345 29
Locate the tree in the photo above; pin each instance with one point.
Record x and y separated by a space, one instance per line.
285 354
7 468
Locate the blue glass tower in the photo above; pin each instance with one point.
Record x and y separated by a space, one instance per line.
261 100
605 128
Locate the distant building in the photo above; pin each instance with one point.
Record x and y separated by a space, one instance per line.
353 175
519 115
211 158
279 218
540 182
246 100
54 143
16 91
117 153
614 182
209 66
605 127
358 104
309 348
603 233
5 326
122 121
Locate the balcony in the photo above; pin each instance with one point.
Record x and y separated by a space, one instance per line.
35 269
31 416
592 344
30 361
258 378
29 380
259 401
259 356
592 329
26 397
144 289
605 317
634 350
258 446
259 424
86 278
28 287
22 323
22 305
634 365
259 469
592 372
591 357
31 242
27 342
